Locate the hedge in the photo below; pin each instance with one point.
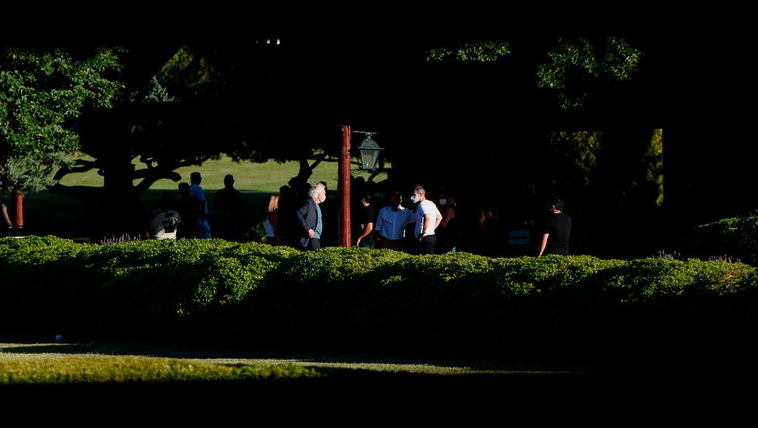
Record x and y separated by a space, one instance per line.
359 299
734 238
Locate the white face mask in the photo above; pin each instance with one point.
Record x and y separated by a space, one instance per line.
443 201
323 197
414 198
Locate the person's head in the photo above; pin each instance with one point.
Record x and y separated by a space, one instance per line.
228 181
419 194
446 199
554 203
317 193
366 199
195 178
184 190
396 198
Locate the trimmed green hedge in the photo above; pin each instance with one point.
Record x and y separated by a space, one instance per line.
359 299
735 238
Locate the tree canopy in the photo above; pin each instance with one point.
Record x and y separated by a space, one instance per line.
576 67
41 94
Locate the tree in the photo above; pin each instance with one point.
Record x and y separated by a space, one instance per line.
484 51
166 119
578 68
198 103
41 92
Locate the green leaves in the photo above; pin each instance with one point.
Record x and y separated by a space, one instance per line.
576 65
40 93
487 51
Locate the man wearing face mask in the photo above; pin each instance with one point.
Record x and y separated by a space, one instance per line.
310 218
391 223
427 218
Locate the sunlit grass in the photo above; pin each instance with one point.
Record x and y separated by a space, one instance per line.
91 368
48 213
21 364
252 177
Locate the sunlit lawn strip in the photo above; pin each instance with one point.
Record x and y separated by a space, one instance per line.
127 369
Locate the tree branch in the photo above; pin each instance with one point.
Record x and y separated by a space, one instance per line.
80 165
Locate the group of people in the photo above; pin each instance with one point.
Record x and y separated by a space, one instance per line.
295 217
426 227
187 217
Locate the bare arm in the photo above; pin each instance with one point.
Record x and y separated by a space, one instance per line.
449 215
5 216
366 232
437 221
426 230
543 244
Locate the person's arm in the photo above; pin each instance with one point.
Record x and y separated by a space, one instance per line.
302 216
543 244
366 232
379 221
150 232
427 221
449 215
5 215
437 220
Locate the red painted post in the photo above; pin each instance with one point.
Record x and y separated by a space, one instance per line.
345 239
19 208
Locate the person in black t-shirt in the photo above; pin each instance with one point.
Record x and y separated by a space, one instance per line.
365 223
557 230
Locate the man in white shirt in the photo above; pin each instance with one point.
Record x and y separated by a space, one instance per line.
428 217
391 223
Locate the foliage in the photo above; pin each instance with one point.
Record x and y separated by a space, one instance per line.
577 153
40 93
576 65
485 51
187 75
654 161
734 237
359 298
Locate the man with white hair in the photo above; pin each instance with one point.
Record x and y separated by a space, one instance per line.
310 219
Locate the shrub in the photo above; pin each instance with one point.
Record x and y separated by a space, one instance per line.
735 238
339 298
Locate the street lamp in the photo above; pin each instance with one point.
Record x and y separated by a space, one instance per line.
369 151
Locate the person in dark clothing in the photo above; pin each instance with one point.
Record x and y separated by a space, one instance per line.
190 210
364 223
227 209
557 230
310 219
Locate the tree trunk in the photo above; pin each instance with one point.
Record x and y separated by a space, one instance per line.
305 171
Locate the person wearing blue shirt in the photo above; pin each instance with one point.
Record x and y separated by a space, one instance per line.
391 223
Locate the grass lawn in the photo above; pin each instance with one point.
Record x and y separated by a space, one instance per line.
170 382
104 383
47 213
52 363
